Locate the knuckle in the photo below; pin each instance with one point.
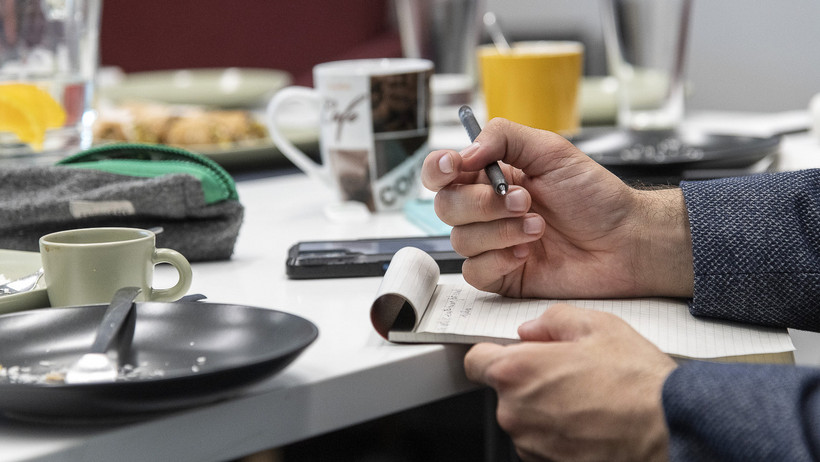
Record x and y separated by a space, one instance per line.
505 371
442 204
487 203
509 231
475 275
561 312
497 124
507 418
459 241
470 241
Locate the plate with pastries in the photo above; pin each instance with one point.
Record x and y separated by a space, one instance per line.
214 112
231 137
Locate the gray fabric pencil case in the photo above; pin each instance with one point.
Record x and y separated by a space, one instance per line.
190 197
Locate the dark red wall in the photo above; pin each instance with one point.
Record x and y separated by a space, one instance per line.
291 35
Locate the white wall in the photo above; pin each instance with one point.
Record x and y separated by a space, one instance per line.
743 55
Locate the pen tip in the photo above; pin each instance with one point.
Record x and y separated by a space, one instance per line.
502 189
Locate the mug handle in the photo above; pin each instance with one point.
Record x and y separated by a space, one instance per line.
299 158
180 263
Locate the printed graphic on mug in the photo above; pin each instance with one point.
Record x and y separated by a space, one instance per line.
400 130
383 172
350 169
373 126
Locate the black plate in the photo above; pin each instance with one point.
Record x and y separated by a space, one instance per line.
669 155
186 354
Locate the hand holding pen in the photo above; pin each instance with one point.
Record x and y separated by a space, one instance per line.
493 170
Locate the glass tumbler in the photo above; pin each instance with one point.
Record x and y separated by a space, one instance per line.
48 59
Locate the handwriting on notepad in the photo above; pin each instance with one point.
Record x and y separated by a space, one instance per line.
443 313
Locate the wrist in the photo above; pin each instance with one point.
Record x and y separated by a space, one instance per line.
664 244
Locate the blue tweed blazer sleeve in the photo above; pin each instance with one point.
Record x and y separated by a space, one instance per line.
756 243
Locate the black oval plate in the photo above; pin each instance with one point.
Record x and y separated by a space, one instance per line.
694 149
669 156
186 354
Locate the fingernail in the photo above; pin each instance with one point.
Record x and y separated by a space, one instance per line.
516 201
469 150
533 225
521 251
527 325
445 164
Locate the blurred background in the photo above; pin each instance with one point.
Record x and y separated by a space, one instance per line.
744 56
759 56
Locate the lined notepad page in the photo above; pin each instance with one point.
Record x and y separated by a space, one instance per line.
665 322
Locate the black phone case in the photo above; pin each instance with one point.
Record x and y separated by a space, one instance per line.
353 258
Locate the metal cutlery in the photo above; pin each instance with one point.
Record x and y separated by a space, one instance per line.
22 284
96 365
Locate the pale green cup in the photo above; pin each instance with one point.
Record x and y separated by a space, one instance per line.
87 266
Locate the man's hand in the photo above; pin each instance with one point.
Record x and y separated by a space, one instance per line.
567 228
583 385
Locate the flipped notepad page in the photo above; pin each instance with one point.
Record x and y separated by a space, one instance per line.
446 313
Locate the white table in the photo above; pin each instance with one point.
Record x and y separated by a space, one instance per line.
349 375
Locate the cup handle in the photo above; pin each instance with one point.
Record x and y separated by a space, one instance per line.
182 266
299 158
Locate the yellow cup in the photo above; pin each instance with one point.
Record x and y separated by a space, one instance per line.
535 84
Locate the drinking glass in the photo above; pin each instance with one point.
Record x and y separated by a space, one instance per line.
48 59
645 43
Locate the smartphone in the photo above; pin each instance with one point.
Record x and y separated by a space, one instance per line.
363 257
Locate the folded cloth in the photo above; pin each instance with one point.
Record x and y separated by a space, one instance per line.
143 186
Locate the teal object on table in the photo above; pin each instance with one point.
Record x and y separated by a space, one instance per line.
422 213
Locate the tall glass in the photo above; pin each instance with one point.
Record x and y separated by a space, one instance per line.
443 31
447 33
645 42
48 59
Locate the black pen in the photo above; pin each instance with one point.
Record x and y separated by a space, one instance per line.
493 170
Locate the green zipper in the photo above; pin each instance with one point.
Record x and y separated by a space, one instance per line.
150 160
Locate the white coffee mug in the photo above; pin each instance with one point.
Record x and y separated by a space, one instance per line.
374 118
